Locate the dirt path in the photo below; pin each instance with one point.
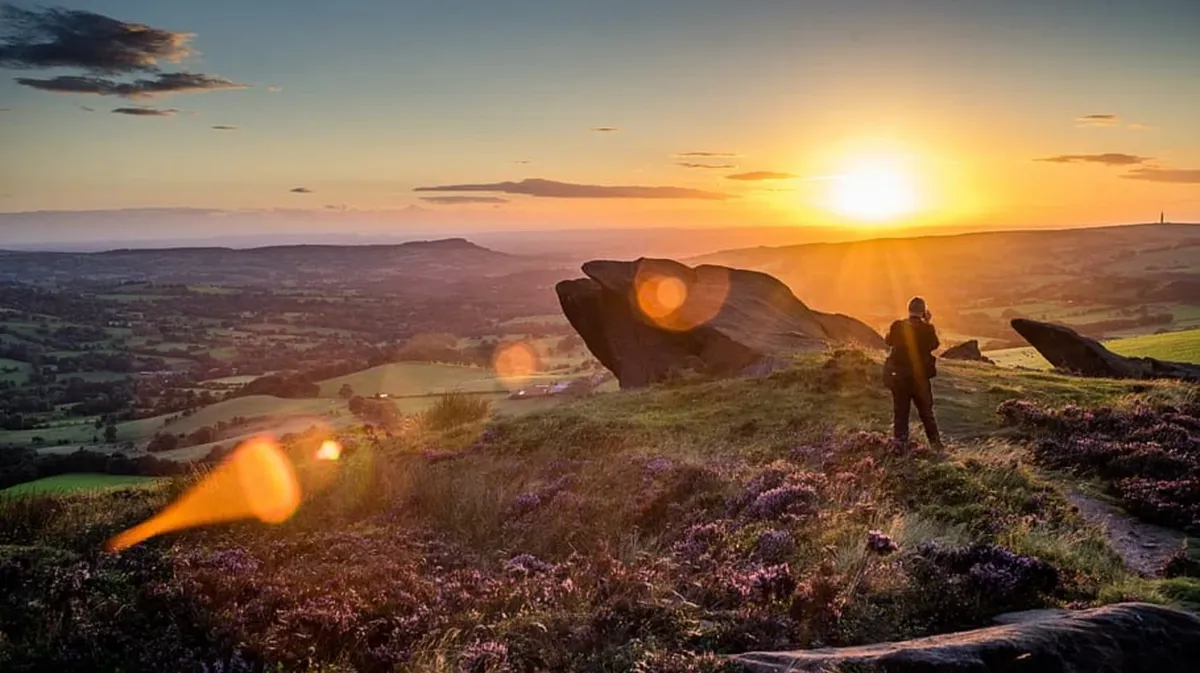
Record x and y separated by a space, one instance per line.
1144 547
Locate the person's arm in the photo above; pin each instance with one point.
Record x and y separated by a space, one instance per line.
934 342
890 339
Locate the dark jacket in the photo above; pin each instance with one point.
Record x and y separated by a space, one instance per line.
912 342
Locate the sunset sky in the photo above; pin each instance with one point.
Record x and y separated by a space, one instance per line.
664 112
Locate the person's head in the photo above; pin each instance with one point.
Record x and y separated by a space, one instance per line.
917 307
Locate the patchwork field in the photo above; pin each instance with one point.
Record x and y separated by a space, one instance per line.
75 483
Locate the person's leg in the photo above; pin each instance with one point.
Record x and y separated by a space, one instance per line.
923 396
901 404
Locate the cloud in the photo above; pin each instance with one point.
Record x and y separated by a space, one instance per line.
1099 121
340 207
605 129
463 200
566 190
162 84
523 162
301 190
4 109
706 155
761 175
1137 127
63 38
1175 175
86 108
1108 159
224 127
688 164
274 89
145 111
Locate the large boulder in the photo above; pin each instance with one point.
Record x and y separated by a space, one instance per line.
1070 351
1128 637
967 350
652 319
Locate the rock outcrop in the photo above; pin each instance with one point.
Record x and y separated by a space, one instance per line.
653 319
1070 351
1128 637
967 350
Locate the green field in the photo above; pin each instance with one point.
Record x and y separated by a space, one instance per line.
1177 346
68 483
402 379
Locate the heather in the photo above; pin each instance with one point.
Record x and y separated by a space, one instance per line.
1147 455
649 531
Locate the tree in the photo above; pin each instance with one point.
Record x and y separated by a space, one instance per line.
345 392
162 443
356 405
110 434
99 423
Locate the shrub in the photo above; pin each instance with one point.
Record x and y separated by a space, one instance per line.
455 409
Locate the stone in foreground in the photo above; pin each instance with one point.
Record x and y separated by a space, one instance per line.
1125 638
1070 351
651 320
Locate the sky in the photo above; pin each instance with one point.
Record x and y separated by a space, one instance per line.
567 113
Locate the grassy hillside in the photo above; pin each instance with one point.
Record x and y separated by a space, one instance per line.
421 378
1178 346
1182 346
634 531
71 483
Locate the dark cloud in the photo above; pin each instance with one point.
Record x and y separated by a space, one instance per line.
605 129
1176 175
1097 120
761 175
462 200
224 127
145 111
1108 159
64 38
705 155
301 190
163 83
688 164
566 190
4 109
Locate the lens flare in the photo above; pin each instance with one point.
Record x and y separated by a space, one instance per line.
257 481
330 450
516 362
680 299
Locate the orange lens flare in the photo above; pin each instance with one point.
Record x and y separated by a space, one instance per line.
330 450
257 481
677 298
516 362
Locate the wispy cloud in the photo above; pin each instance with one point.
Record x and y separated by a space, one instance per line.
522 162
1107 159
1097 120
161 84
463 200
224 127
706 155
605 129
87 108
688 164
762 175
274 89
145 111
301 190
566 190
63 38
1173 175
1137 127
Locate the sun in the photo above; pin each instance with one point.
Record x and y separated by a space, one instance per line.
874 190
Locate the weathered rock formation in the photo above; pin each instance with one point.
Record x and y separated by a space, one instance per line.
967 350
1068 350
652 319
1128 637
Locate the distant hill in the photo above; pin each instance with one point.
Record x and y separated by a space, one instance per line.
441 261
1101 274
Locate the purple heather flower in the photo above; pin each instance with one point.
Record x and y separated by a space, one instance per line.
484 657
527 564
774 545
881 543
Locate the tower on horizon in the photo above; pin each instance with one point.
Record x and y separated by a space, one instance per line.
1162 217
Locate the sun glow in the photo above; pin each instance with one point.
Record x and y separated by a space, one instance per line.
874 190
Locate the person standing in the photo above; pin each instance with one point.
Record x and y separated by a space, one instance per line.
908 371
